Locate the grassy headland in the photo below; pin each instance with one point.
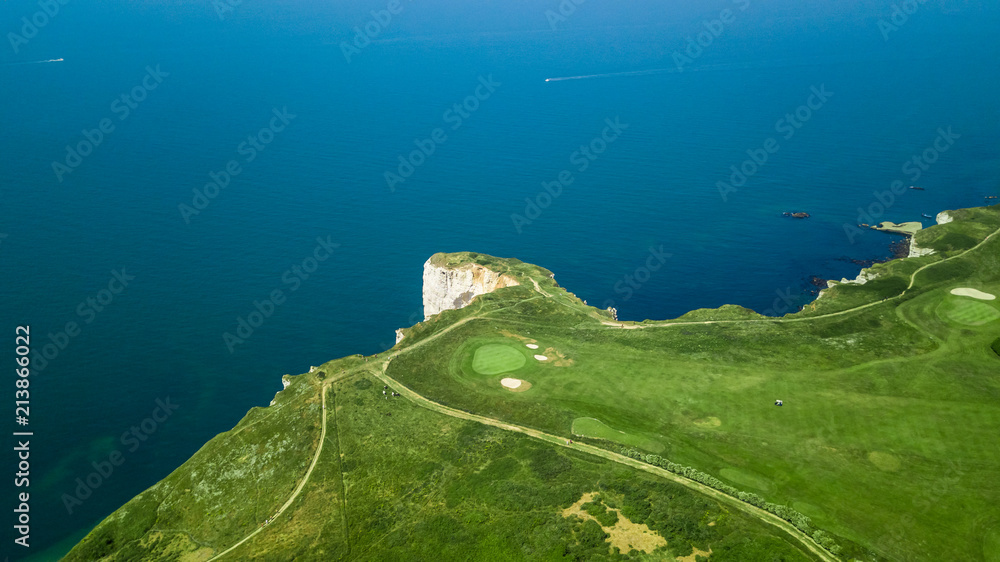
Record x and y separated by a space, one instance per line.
886 440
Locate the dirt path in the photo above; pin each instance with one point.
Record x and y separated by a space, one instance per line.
302 483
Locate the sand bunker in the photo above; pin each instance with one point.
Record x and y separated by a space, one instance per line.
531 345
515 385
541 358
974 293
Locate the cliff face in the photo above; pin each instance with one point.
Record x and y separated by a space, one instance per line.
452 288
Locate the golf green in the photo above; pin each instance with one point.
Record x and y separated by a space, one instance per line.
493 359
596 429
967 312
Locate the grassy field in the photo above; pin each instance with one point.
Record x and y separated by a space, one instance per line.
886 440
398 482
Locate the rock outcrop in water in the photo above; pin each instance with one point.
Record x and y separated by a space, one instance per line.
449 288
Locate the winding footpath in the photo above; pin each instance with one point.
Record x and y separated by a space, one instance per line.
302 483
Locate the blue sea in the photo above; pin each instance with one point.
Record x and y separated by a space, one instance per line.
188 167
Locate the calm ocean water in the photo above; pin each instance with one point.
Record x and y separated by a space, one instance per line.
217 80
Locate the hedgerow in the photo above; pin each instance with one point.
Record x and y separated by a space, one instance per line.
800 521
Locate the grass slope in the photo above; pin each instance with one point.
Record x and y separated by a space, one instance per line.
399 482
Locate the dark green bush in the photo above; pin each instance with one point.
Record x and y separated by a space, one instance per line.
594 508
608 518
592 535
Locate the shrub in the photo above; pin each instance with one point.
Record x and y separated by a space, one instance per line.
608 518
591 534
594 508
785 512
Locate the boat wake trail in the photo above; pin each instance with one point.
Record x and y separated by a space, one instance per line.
719 67
31 62
614 74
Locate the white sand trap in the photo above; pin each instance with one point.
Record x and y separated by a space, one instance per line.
531 346
974 293
541 358
511 383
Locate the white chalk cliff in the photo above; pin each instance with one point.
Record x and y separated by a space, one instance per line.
453 288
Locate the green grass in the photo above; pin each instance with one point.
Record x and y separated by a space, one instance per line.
493 359
745 479
596 429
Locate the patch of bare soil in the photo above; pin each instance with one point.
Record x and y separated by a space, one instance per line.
625 534
559 359
693 556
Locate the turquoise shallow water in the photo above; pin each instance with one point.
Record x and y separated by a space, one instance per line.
346 124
